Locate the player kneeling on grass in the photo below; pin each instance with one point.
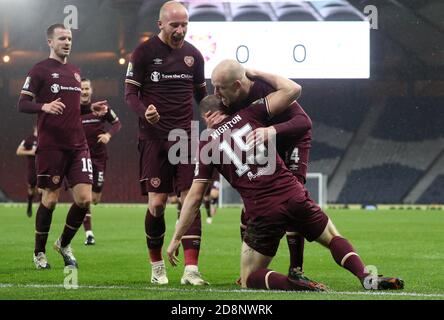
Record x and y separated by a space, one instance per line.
275 200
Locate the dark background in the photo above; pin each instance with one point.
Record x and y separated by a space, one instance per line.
379 140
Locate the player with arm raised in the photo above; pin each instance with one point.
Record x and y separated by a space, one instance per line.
163 75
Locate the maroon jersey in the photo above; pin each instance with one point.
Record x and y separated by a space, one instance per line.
293 149
93 126
259 191
166 78
47 81
29 143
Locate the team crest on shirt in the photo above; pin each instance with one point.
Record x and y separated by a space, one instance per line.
77 76
189 60
155 182
56 179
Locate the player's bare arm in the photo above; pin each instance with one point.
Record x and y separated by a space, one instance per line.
54 107
286 92
188 213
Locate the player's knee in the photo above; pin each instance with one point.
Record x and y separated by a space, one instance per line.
84 201
50 199
328 234
333 232
157 209
49 203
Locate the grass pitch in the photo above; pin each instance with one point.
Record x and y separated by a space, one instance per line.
404 243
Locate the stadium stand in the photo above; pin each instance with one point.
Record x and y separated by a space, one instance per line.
380 184
207 12
372 148
273 11
434 193
399 152
250 12
411 119
3 197
288 11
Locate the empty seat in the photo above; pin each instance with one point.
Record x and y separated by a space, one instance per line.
435 192
340 13
295 14
207 12
290 11
250 12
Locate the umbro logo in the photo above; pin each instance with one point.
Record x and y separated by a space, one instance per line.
55 75
157 61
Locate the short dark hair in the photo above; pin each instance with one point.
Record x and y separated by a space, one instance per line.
51 28
86 79
211 103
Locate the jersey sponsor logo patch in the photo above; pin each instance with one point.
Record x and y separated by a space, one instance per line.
189 61
27 83
56 179
155 182
77 76
129 70
155 76
55 88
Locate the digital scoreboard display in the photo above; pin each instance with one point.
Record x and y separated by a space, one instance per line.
302 50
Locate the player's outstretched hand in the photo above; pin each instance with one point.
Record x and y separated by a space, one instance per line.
104 138
260 135
151 114
54 107
99 108
173 252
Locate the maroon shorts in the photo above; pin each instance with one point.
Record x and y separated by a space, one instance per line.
55 165
99 168
264 232
31 174
157 173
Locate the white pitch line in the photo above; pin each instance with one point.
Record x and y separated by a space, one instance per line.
184 290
